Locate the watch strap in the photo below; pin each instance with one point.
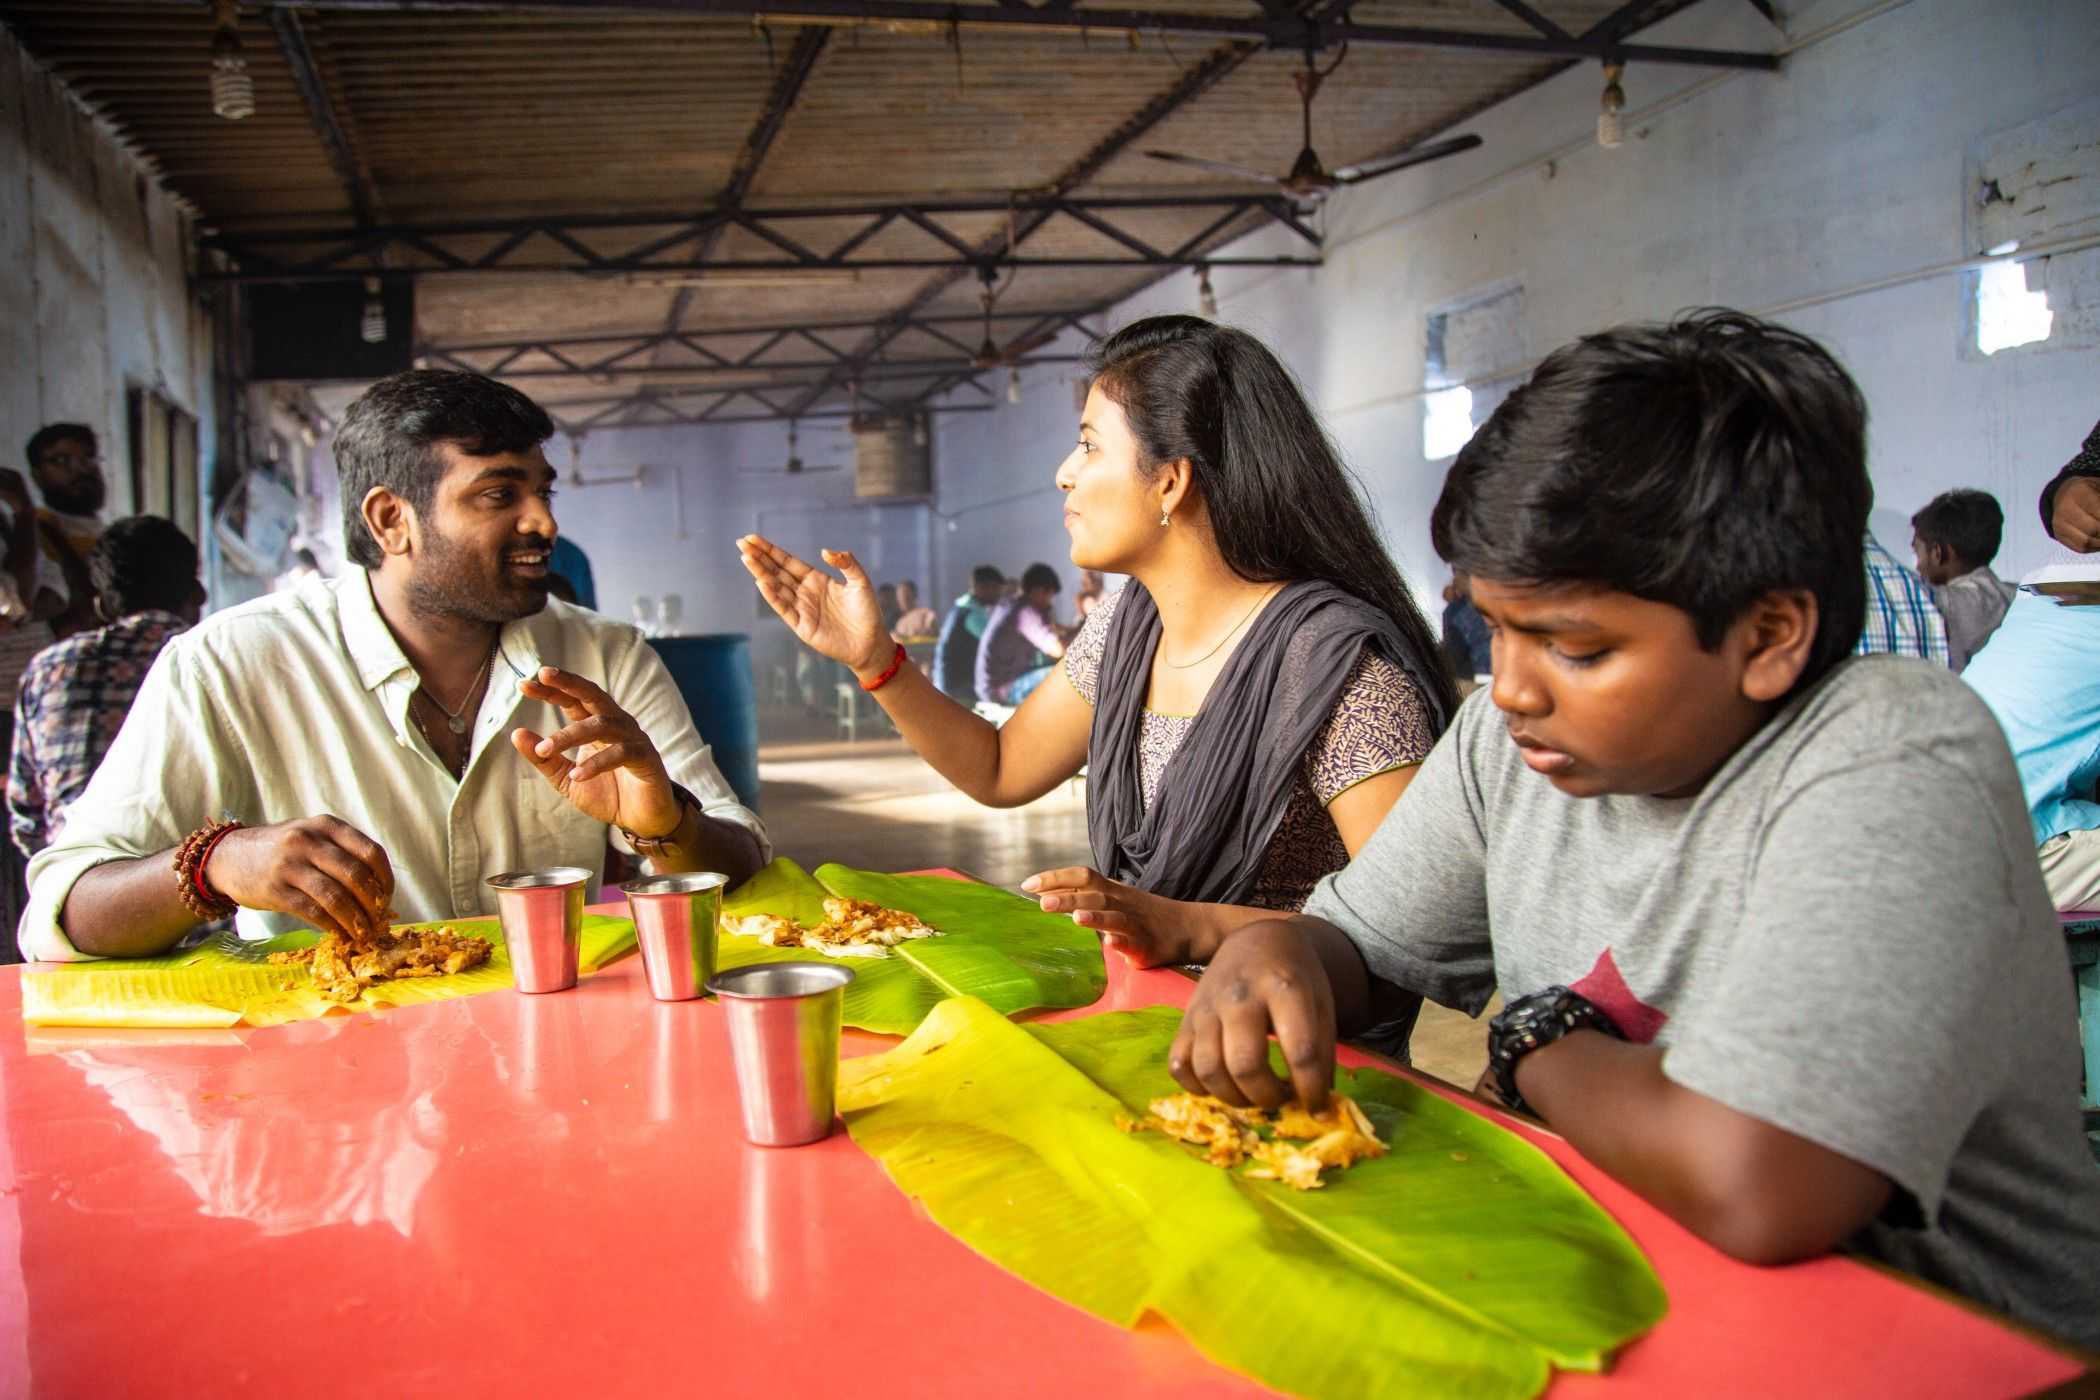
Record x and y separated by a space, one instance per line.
1533 1021
647 846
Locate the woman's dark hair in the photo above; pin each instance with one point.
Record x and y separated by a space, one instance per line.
1041 576
390 435
1970 523
1282 505
143 562
1704 464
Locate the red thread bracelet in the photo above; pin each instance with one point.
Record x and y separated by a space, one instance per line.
205 892
896 664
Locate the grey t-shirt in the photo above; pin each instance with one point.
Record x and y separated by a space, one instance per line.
1973 606
1844 934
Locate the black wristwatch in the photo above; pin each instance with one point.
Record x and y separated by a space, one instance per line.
1529 1022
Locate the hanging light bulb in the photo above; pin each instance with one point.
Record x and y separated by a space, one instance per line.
1013 385
232 89
918 430
373 327
1609 130
1206 299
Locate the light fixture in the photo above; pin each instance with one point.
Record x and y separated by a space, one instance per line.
987 356
794 461
918 430
1013 384
373 326
1609 129
1206 298
232 89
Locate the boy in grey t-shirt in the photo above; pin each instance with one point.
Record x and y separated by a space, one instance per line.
1774 946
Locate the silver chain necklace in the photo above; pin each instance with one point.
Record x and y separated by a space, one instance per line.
455 719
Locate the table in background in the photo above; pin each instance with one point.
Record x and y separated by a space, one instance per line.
508 1194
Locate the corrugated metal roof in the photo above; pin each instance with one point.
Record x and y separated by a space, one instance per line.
460 115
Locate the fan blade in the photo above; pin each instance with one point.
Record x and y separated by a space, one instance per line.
1418 155
1238 172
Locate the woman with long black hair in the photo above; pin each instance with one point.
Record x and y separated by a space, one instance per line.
1248 707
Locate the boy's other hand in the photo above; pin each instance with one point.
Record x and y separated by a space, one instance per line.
1266 977
2076 519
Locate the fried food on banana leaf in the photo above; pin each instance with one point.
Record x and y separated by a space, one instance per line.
1340 1136
344 967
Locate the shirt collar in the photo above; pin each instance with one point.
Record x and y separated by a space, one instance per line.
379 658
370 642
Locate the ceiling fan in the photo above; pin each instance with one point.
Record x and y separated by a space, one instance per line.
1310 182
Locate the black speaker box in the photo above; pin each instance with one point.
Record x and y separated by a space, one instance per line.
315 330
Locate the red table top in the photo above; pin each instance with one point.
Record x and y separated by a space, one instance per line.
507 1194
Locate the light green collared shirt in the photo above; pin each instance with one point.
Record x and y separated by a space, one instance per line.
296 705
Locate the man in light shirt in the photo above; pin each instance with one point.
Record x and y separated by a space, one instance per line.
391 739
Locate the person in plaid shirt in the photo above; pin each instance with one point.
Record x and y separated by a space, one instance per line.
74 696
1901 616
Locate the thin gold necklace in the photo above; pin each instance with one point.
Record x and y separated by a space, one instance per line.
1184 665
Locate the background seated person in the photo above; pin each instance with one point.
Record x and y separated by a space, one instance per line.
915 621
2041 677
1021 639
1954 540
1775 951
395 737
962 633
75 695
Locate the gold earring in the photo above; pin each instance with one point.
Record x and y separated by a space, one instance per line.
1164 519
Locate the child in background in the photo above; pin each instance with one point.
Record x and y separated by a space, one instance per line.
1774 944
1954 540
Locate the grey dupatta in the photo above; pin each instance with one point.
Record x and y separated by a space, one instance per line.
1224 792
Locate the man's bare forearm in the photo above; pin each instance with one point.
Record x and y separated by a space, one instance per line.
127 909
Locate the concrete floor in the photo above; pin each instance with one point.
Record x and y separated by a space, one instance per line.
872 803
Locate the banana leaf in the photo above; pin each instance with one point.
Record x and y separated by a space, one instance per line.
1463 1263
228 981
995 946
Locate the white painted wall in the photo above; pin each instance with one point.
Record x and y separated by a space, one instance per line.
1750 190
93 294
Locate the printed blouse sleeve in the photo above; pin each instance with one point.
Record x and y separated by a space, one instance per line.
1380 723
1083 656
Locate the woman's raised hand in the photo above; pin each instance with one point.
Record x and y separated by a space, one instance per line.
841 620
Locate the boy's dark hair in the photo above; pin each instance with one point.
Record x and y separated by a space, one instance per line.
390 435
143 562
990 575
1704 464
1041 576
43 438
1968 522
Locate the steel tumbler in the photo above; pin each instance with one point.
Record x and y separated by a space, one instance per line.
784 1036
674 921
542 915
